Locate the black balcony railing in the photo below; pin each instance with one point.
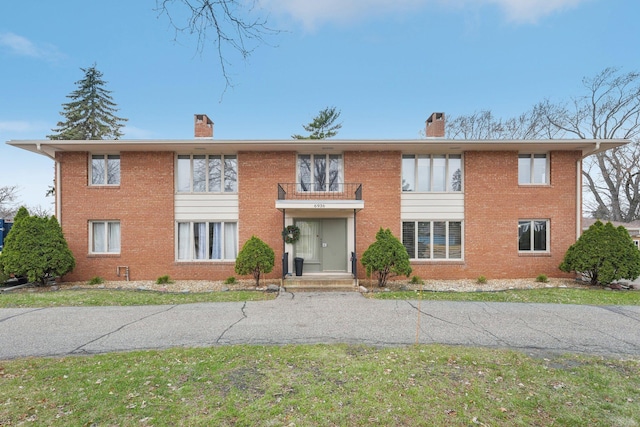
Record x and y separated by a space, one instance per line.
306 191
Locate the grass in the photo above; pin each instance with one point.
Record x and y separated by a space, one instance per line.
320 385
102 297
595 296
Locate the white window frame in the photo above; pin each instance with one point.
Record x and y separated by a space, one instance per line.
105 158
312 182
414 256
105 237
531 179
416 171
192 256
532 237
207 186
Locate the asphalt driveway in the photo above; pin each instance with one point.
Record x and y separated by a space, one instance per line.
328 317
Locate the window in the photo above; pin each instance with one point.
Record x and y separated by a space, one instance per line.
437 172
532 169
207 241
105 169
432 239
533 235
319 172
104 237
207 173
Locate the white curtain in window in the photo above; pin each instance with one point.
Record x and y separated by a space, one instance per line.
199 240
215 240
230 245
308 245
183 240
184 173
439 173
113 237
98 230
424 172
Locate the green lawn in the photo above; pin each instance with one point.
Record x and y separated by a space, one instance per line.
590 296
104 297
320 385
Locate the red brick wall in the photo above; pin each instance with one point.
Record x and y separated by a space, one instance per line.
143 202
380 175
258 178
494 202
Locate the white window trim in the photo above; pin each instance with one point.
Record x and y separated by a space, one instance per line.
547 237
547 177
192 258
431 172
327 172
106 236
431 258
206 185
106 168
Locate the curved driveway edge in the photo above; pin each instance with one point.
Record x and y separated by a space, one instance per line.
327 317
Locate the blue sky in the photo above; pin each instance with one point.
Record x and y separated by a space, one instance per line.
386 64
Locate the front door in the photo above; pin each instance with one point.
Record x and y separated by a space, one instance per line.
322 245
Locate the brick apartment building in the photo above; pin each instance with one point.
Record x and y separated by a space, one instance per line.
141 209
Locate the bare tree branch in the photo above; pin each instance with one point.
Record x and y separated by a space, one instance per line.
226 23
8 195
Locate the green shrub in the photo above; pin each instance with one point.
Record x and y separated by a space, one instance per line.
603 254
164 280
385 257
97 280
35 247
416 280
542 278
256 258
230 280
481 280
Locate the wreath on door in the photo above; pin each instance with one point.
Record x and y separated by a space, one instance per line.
291 234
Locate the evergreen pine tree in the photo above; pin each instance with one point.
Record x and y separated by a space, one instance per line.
322 125
91 112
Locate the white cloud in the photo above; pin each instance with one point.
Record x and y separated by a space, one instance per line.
313 13
132 132
530 11
19 45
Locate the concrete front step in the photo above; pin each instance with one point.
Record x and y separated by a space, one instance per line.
318 284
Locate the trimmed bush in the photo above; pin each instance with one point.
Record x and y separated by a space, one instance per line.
542 278
164 280
97 280
481 280
603 254
230 280
36 248
255 258
386 257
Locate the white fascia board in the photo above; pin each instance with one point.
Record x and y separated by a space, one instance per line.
320 205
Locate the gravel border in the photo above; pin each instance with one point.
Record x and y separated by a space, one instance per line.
466 285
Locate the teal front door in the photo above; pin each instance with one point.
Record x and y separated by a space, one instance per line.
322 245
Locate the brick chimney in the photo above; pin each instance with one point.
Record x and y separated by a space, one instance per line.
435 126
203 126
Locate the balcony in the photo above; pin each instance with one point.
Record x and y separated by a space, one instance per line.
306 191
305 196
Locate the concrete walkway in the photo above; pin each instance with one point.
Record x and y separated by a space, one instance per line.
328 317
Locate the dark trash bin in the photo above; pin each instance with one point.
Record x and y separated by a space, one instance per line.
298 263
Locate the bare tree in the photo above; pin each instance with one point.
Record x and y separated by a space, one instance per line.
8 196
227 23
609 109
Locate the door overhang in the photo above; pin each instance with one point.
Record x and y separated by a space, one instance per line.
320 205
